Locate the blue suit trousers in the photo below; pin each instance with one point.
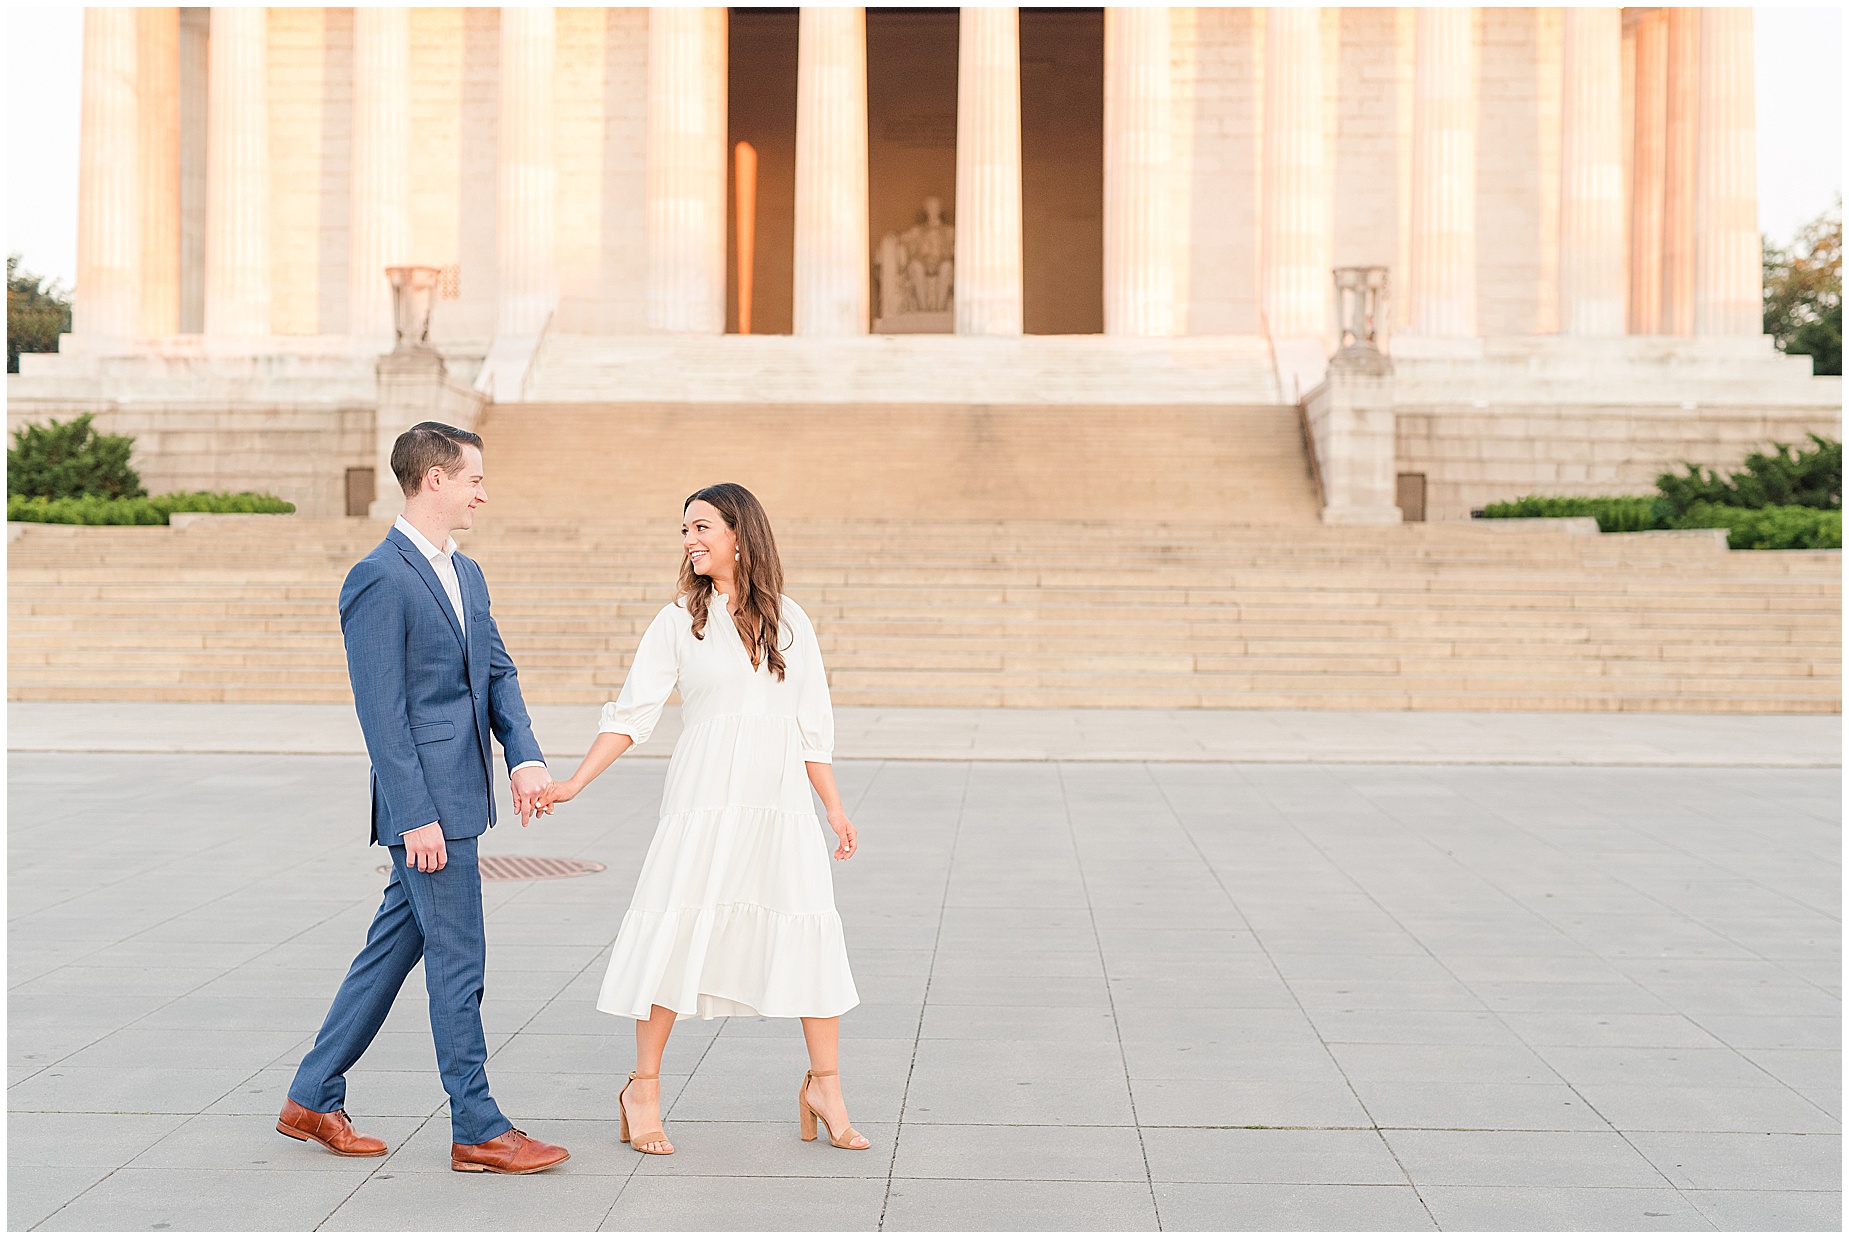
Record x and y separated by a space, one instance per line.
436 917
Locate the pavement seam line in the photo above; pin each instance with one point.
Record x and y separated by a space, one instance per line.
937 937
1259 941
1110 998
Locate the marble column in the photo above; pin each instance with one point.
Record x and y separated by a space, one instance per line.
237 192
685 182
158 75
107 299
526 277
1295 220
988 253
1682 74
1647 166
1727 247
1443 281
1593 274
833 262
1139 251
195 25
379 211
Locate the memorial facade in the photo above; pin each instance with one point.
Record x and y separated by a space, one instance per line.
1557 208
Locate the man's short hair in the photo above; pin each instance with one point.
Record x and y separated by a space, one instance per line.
425 445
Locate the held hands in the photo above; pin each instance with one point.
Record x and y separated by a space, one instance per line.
527 786
844 831
553 793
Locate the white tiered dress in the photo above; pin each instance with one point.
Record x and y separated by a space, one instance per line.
734 910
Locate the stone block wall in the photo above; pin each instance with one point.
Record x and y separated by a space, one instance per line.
296 452
1472 456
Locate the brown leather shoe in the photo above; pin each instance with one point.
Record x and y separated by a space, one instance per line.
511 1152
331 1131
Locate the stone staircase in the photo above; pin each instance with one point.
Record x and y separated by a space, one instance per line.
1169 464
1147 612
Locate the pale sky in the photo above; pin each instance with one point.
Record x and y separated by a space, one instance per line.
1799 54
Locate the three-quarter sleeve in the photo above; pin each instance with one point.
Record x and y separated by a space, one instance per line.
815 712
650 682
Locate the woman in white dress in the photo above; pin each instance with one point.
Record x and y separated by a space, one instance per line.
734 910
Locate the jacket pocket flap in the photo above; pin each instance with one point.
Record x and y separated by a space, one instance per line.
427 733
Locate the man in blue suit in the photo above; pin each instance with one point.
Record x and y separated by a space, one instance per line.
431 680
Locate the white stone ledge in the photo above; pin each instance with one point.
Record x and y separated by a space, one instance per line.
910 369
1667 372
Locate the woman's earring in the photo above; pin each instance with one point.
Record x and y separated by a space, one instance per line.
734 556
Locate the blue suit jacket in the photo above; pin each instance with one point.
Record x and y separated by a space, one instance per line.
426 702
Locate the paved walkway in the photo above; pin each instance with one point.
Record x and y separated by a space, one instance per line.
1096 996
1509 739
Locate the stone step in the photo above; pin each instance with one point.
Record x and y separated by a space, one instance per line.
1412 618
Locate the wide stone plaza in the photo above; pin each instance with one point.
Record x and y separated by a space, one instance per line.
1096 995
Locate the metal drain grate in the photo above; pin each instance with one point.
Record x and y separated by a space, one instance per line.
529 868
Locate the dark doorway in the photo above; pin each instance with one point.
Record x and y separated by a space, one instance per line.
911 117
761 110
1062 170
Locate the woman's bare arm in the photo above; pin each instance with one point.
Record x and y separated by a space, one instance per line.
822 778
605 749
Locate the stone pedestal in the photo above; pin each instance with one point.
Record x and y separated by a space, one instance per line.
1351 423
414 386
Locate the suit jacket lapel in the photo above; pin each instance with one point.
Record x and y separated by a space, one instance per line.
475 637
422 567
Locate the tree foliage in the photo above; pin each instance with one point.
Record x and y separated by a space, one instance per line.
1783 477
63 460
1804 292
36 313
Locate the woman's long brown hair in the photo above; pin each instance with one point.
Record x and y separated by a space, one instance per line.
758 579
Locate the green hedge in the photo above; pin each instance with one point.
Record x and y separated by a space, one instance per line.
96 510
1620 514
1785 528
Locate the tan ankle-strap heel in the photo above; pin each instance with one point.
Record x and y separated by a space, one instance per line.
647 1137
806 1114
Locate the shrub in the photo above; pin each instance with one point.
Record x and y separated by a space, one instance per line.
1784 477
97 510
62 460
1619 514
1787 527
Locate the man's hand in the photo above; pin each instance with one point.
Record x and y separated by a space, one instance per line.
527 784
424 849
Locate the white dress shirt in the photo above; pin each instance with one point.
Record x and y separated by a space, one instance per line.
443 563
